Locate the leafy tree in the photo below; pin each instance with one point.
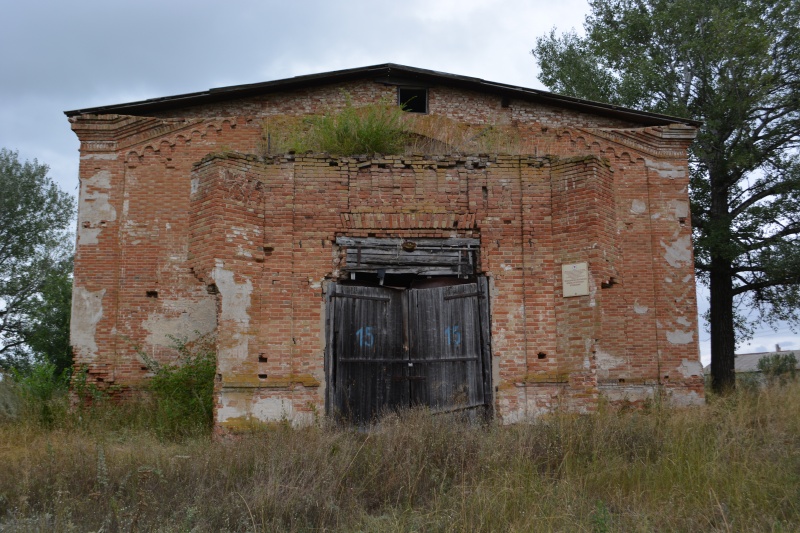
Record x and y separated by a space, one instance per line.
35 263
47 333
778 367
735 65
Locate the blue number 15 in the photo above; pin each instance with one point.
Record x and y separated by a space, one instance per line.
365 336
453 334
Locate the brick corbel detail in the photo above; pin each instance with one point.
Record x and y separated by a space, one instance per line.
666 142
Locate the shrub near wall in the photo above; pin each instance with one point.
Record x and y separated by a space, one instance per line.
183 392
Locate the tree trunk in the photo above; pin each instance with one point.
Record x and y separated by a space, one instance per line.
723 340
723 337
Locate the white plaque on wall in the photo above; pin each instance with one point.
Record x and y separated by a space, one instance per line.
575 279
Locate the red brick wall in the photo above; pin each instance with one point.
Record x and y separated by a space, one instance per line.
171 243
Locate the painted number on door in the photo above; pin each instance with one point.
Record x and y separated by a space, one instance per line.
365 336
453 335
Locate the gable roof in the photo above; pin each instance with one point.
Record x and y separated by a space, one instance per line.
388 73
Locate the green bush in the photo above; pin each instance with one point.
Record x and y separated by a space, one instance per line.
184 392
374 128
778 367
42 393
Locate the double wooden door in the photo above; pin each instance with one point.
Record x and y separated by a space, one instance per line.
393 348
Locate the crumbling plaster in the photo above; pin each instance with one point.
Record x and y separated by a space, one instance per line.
182 319
234 315
87 310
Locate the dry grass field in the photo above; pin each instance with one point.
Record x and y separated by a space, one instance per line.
732 465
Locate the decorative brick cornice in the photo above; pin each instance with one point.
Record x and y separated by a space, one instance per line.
116 132
669 142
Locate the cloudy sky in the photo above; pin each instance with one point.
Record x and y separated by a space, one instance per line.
57 56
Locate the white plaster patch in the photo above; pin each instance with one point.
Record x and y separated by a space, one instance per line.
511 404
195 185
196 318
688 368
667 170
606 361
639 309
680 337
272 409
627 393
505 267
686 399
234 318
99 157
687 278
680 208
638 207
87 310
679 253
587 349
683 321
88 236
94 207
233 405
235 296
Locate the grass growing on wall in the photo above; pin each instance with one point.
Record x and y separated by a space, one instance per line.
733 465
370 129
384 128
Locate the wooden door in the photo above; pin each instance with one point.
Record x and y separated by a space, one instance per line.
369 366
392 348
445 363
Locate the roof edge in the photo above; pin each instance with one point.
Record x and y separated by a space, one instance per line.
384 70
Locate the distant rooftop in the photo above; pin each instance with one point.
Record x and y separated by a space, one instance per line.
748 362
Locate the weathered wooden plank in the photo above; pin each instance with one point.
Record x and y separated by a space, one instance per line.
415 361
365 329
420 270
445 336
378 242
394 253
486 343
361 297
465 295
353 259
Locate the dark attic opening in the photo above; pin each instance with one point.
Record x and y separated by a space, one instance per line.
413 100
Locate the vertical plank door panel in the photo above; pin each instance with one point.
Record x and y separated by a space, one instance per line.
446 369
369 374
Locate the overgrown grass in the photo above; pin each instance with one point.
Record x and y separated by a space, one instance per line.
384 128
733 465
370 129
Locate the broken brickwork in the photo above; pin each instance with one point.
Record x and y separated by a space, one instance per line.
181 233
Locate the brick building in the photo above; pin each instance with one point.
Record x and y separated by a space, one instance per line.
530 252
